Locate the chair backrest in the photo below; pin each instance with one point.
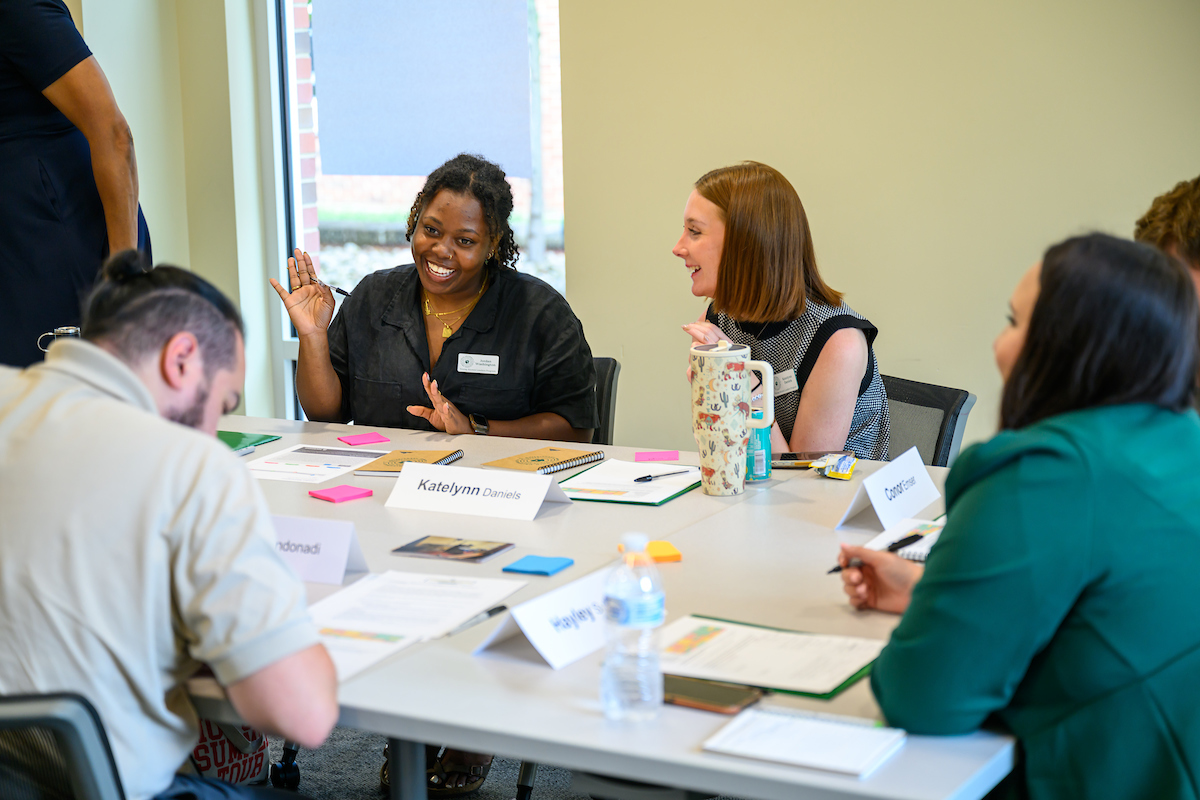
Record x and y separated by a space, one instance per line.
607 370
931 417
53 746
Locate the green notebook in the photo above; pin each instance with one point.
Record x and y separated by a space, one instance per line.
242 443
856 674
615 481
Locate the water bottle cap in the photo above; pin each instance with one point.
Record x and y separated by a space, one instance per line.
634 542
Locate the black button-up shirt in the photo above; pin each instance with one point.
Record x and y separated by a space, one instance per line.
379 351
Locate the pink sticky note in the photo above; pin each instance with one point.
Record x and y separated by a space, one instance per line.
364 438
657 455
340 494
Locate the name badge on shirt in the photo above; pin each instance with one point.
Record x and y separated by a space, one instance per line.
482 365
785 382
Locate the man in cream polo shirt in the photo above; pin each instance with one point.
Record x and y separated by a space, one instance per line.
134 547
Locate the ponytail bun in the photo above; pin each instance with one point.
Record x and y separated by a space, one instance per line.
125 266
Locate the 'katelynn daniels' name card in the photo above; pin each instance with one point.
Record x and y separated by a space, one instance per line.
481 492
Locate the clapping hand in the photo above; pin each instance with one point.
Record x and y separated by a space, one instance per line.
310 302
444 415
884 580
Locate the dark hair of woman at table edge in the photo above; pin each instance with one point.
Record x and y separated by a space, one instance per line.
479 178
1115 322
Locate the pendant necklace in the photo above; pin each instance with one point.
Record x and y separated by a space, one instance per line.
447 331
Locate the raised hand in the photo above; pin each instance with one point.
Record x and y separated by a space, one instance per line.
309 304
884 580
444 415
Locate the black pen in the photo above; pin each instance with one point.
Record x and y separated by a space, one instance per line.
648 478
342 292
899 544
478 618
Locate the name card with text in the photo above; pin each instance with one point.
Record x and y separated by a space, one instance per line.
481 492
894 492
319 550
563 625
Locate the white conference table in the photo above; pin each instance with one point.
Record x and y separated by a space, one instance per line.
761 556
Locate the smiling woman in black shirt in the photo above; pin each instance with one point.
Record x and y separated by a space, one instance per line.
458 341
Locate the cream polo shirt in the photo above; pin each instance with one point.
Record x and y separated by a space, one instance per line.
131 550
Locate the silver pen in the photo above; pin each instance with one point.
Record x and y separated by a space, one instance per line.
478 618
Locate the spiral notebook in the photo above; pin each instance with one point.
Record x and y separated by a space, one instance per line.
928 530
389 466
548 459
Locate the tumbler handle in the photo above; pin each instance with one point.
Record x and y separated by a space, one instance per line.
767 372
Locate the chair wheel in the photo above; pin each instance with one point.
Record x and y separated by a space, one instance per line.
285 776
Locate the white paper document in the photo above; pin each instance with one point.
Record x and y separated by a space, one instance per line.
309 463
917 551
807 740
697 647
615 481
387 611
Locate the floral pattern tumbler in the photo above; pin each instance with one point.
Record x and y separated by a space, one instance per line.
721 417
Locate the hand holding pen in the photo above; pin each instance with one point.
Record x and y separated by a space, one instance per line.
878 579
310 302
899 544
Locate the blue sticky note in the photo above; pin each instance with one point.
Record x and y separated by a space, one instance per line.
539 565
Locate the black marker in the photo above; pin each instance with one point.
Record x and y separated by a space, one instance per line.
891 548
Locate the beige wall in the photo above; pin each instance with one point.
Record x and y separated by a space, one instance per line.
938 147
183 74
136 45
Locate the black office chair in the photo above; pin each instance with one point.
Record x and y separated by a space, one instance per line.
53 747
607 370
931 417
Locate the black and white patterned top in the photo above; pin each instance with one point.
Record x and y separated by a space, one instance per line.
794 346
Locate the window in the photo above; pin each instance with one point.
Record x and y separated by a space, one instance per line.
376 95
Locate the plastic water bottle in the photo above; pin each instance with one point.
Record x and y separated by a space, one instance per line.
758 451
631 683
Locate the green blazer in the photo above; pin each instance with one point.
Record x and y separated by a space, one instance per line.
1061 597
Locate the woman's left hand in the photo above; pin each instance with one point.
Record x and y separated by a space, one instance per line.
444 415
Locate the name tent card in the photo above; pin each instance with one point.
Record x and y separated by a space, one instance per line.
480 492
319 550
895 492
563 625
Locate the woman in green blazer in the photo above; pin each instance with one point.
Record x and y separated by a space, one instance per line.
1059 597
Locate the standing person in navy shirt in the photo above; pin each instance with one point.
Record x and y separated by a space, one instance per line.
68 175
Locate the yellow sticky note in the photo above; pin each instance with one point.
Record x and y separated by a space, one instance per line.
660 551
663 551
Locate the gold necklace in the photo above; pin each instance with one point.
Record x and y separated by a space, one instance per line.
447 331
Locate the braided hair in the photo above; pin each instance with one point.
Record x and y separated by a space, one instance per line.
485 181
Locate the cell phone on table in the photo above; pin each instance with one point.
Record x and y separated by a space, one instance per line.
803 460
723 698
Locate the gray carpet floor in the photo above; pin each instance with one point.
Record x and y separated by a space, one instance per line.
347 766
